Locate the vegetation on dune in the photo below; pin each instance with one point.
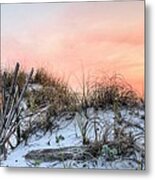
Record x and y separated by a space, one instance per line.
103 92
43 78
97 92
54 99
56 94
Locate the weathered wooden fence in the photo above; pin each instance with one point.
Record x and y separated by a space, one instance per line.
10 110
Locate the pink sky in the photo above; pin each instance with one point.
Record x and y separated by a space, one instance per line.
69 38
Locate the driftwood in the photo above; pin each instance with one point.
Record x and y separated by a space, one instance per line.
67 153
83 152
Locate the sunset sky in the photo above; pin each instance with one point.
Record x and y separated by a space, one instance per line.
69 38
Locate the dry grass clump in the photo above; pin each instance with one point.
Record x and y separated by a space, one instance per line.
57 97
107 90
54 94
123 145
43 78
47 103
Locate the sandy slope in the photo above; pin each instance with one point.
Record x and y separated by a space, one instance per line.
72 136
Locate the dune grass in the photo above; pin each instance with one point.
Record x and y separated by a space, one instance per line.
99 93
105 91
